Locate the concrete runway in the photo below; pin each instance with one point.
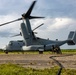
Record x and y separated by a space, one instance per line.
40 61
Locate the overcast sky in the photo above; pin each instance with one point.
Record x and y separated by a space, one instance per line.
60 19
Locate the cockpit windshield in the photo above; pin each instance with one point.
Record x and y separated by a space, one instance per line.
11 43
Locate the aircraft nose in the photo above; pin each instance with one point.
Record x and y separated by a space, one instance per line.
4 48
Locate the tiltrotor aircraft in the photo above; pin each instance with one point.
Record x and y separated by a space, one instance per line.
31 42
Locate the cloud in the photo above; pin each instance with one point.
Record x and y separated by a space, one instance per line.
50 8
57 8
13 6
60 17
11 28
29 1
60 23
52 24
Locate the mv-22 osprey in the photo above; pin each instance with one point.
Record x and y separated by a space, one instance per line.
31 42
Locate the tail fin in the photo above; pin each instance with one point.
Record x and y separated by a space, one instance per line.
72 38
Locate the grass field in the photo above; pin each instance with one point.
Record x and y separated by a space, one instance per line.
64 51
11 69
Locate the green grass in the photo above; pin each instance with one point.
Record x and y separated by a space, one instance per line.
64 51
69 51
12 69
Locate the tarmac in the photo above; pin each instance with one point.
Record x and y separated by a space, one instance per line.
40 61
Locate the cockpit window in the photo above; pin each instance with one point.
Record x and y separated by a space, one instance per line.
11 43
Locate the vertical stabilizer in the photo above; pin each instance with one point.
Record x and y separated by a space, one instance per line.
72 38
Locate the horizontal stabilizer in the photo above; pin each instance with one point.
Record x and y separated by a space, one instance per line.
72 38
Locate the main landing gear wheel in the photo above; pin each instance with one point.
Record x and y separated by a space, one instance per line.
6 52
58 50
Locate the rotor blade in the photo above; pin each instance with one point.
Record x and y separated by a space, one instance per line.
27 14
33 17
35 32
10 22
38 26
17 35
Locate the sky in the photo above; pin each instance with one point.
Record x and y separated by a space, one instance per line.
60 19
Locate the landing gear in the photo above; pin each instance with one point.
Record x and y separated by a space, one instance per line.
6 52
41 51
56 49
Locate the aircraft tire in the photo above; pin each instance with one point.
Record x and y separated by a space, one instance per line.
6 52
